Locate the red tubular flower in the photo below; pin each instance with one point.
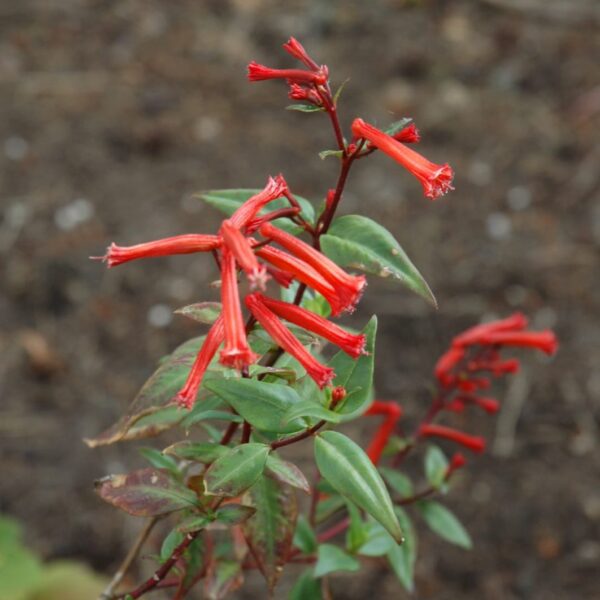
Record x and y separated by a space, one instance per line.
458 461
490 405
303 93
354 345
473 335
473 384
283 278
446 363
296 49
349 288
274 189
236 353
540 340
179 244
472 442
304 273
258 72
186 397
496 367
241 249
408 135
435 179
288 341
392 412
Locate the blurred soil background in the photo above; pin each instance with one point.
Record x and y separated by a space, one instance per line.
113 113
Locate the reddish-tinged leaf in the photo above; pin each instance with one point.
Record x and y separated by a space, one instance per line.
270 531
287 472
222 578
146 493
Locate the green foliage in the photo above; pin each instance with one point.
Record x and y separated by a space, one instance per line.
350 471
402 558
270 531
398 481
436 466
234 514
361 243
444 523
330 558
202 452
171 541
203 312
398 126
228 201
237 470
305 108
286 472
306 588
305 538
264 405
356 375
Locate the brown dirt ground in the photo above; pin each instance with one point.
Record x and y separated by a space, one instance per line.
112 113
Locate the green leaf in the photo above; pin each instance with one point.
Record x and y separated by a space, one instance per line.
305 108
150 413
269 532
203 312
262 404
306 588
436 466
358 242
379 542
402 558
286 472
398 126
356 534
339 91
171 541
397 481
444 523
193 523
330 558
146 493
157 459
356 375
325 153
309 408
305 538
350 471
227 201
234 514
203 452
237 470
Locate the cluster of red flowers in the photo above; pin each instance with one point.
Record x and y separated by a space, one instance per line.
236 249
464 371
312 87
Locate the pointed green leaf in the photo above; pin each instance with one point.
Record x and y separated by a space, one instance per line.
203 452
356 534
222 578
227 201
444 523
233 514
356 375
358 242
308 408
269 532
305 108
350 471
157 459
262 404
402 558
379 542
171 541
330 558
436 466
203 312
193 523
398 126
399 482
286 472
325 153
146 493
237 470
305 538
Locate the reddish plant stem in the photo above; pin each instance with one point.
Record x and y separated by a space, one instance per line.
164 569
299 436
229 433
246 431
334 530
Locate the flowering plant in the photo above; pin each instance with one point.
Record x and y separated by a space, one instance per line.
229 495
